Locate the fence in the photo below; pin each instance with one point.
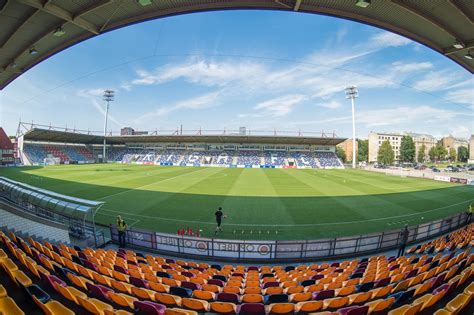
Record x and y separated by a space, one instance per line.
284 250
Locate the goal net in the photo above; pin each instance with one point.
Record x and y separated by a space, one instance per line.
52 161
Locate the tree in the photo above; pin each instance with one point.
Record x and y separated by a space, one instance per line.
407 149
341 154
433 153
441 152
385 155
363 151
421 154
463 154
452 154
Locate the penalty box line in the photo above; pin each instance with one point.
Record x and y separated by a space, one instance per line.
287 225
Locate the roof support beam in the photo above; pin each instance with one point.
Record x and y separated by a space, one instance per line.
452 50
97 4
465 14
426 17
24 22
297 5
59 12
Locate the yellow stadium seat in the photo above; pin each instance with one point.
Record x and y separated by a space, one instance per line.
359 298
407 309
231 289
195 305
53 307
116 312
122 299
308 306
458 303
159 287
300 297
380 305
143 293
70 293
169 300
9 307
121 286
281 308
95 306
223 308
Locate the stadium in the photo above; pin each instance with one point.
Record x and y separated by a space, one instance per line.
233 221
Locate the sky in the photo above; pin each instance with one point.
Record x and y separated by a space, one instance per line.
264 70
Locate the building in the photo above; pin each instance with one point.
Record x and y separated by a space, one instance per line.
471 149
419 139
423 139
6 149
347 147
452 142
129 131
376 139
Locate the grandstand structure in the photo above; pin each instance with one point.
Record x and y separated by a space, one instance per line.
39 146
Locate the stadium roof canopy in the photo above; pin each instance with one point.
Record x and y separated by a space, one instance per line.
33 30
45 135
57 203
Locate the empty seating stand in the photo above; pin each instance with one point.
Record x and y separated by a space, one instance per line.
57 279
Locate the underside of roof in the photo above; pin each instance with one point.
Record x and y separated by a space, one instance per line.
44 135
34 30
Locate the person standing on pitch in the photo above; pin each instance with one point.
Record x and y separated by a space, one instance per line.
469 213
403 240
121 227
218 215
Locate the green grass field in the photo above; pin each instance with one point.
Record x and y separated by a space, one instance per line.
260 203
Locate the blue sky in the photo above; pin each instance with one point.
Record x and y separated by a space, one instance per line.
264 70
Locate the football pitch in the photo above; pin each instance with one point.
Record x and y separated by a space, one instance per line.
259 203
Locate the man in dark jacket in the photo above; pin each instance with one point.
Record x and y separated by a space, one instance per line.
403 240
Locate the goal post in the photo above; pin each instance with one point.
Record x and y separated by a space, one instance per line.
52 161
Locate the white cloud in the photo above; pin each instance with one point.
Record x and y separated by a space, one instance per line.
461 132
434 81
194 103
405 115
280 106
202 72
387 39
398 117
411 67
461 96
331 105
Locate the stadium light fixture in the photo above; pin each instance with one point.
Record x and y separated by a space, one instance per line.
33 50
363 3
458 45
469 55
108 97
59 31
352 93
144 3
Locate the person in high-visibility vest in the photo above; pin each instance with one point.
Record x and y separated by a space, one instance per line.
470 209
121 227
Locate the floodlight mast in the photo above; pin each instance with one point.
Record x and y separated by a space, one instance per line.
352 93
108 97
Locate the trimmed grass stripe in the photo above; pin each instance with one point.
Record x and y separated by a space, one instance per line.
261 203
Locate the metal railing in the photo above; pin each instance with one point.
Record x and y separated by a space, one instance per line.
303 250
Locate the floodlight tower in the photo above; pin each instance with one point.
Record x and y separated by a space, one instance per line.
108 97
352 93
